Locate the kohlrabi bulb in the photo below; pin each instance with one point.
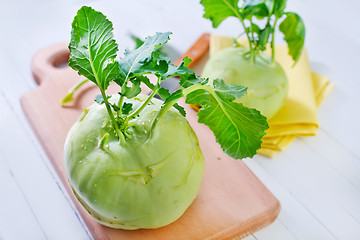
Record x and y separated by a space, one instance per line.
267 83
143 183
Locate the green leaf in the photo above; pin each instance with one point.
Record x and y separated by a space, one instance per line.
137 40
228 91
255 28
174 96
180 109
257 8
218 10
237 129
187 82
279 8
115 107
293 29
126 108
264 36
165 94
92 47
146 81
157 66
181 70
145 59
132 91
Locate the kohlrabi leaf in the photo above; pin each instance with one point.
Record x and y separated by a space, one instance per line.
257 8
293 29
165 94
138 42
254 28
175 96
228 91
157 65
180 109
189 81
264 36
132 91
145 59
92 47
237 129
126 108
267 12
146 81
279 8
181 70
218 10
115 107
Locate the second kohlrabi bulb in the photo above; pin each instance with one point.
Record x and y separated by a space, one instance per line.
267 83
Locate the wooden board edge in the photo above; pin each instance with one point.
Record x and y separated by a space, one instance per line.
237 231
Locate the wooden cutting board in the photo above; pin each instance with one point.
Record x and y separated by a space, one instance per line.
232 202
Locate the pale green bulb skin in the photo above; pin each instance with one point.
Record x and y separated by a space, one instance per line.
267 83
145 183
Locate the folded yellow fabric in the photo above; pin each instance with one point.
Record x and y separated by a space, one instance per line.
322 88
298 116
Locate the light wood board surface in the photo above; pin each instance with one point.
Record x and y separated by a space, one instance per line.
232 202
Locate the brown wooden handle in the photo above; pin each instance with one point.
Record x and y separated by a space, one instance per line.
200 47
46 63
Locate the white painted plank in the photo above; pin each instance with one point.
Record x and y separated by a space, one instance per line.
295 220
15 211
51 191
250 237
320 189
275 232
45 195
334 153
340 176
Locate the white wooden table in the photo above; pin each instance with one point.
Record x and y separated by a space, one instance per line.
317 179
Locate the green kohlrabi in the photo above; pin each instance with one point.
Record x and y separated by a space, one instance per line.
248 66
134 161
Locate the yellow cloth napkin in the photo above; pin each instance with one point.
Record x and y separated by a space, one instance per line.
298 116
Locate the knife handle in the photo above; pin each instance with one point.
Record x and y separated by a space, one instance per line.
200 47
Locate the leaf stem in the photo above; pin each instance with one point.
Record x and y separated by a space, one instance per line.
253 50
112 118
251 29
169 104
252 54
69 96
120 103
238 15
143 105
273 42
